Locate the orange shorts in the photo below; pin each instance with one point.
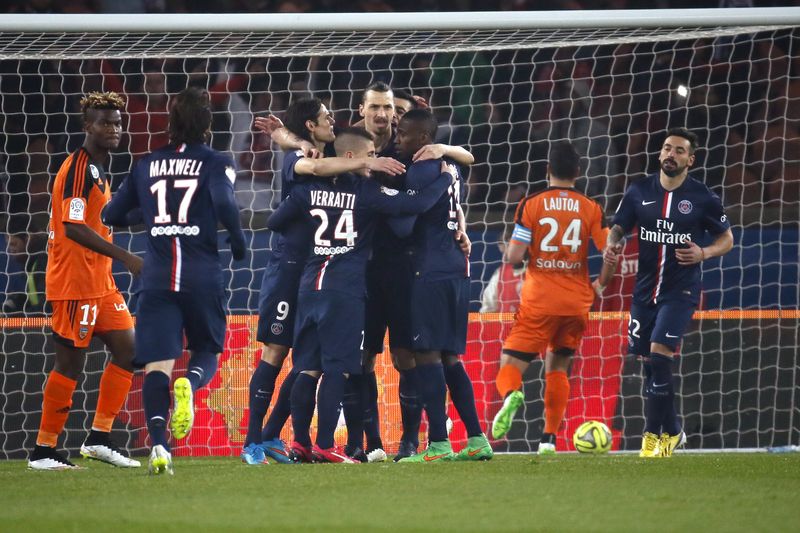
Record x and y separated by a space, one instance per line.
534 333
75 321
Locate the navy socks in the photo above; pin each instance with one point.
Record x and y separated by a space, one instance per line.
463 397
156 399
201 369
262 385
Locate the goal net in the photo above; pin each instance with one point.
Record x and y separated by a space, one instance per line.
503 85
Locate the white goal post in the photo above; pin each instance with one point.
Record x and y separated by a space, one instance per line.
502 84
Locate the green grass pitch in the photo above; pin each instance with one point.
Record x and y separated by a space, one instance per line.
690 492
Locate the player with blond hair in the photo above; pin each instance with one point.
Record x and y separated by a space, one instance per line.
84 298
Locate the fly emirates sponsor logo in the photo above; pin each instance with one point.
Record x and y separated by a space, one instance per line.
663 234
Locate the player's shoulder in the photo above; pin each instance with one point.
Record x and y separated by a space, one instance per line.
583 197
645 182
697 186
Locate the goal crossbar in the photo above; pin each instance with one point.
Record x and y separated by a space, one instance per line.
286 35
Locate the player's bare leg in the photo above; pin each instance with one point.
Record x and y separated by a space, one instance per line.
262 387
56 404
509 385
114 387
410 403
662 390
556 394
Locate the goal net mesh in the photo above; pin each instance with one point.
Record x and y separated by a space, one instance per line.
505 96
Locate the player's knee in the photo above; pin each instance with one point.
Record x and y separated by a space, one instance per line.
428 358
402 359
160 366
661 349
368 362
559 360
274 354
69 361
520 360
450 360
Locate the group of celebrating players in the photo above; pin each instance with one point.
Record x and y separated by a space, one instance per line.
369 236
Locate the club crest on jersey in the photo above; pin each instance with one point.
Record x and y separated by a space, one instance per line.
82 332
685 207
276 328
95 172
231 174
77 209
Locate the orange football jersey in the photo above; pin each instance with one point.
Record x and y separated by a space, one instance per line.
80 192
556 225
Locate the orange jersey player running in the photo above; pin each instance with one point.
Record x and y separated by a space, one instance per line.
82 292
554 227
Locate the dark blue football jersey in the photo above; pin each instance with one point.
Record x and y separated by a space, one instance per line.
437 255
184 192
291 244
667 220
343 215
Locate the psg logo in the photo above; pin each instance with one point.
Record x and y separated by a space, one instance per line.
276 328
685 207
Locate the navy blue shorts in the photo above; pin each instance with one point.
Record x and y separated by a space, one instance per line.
439 315
388 304
664 323
277 302
329 333
163 317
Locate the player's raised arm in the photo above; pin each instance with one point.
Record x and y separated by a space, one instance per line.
394 202
460 155
225 207
285 139
333 166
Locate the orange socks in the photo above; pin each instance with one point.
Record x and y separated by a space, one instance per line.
556 394
509 379
55 408
114 387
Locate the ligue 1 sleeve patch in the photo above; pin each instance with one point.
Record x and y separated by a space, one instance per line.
77 209
231 174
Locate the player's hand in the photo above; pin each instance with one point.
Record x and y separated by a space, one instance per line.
387 165
134 264
611 254
449 168
598 289
429 151
238 251
310 151
690 255
421 102
463 242
267 124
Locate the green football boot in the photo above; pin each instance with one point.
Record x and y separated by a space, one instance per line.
183 408
504 417
437 452
477 449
